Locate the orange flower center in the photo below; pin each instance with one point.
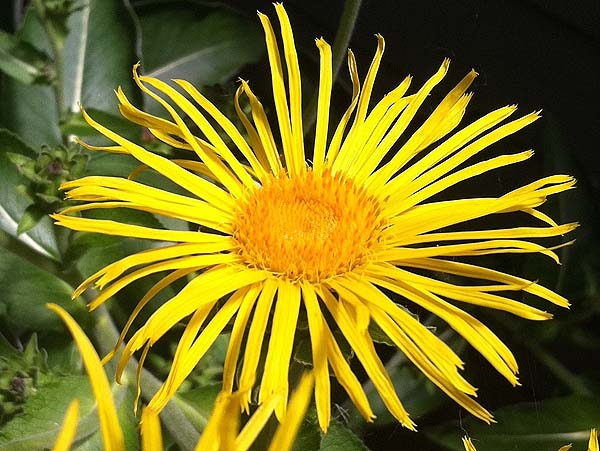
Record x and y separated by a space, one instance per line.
312 227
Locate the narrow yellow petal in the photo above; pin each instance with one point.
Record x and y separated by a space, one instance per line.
295 91
381 176
468 444
153 291
472 330
227 126
150 431
190 357
323 104
290 424
194 184
256 423
237 334
264 129
65 437
108 227
365 351
196 262
210 158
345 376
351 148
478 272
285 317
593 443
255 140
467 152
223 424
416 193
112 435
254 342
319 355
279 93
336 141
451 145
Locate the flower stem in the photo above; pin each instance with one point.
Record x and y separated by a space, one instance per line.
340 46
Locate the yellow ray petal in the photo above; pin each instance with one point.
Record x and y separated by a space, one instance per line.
209 157
295 91
255 140
255 340
237 334
221 430
256 423
351 147
196 262
279 94
263 129
472 330
593 443
285 317
319 355
468 444
288 429
196 185
336 141
478 272
190 357
112 435
227 126
345 376
65 437
153 291
150 431
323 104
381 176
365 351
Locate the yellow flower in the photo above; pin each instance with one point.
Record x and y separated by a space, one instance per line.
222 432
592 446
332 238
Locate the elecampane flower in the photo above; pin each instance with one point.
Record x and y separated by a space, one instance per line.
277 236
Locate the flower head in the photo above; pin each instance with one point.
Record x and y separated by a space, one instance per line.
332 239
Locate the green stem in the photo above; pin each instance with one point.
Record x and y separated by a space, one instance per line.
340 47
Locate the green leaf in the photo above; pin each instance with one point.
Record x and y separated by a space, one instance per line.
205 47
542 426
24 62
31 217
26 289
340 438
14 203
37 426
99 53
30 111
